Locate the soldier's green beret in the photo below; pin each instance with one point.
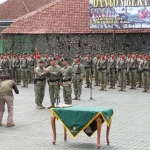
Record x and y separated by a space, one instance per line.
40 60
65 59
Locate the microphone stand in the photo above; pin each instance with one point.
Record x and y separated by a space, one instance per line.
91 87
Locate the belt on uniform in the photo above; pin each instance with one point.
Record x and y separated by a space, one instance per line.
31 65
66 80
53 80
23 68
40 79
123 68
112 68
133 68
77 73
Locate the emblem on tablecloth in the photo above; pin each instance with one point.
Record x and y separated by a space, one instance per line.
74 128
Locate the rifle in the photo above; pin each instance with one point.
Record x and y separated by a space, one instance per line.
119 69
112 65
101 67
144 68
132 65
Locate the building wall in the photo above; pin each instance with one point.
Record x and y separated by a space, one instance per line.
70 44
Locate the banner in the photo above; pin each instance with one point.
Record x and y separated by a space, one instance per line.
119 14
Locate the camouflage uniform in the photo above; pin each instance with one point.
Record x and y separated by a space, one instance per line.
11 66
17 71
122 69
140 73
39 85
103 69
31 64
97 81
145 67
24 71
53 81
128 76
88 70
133 66
67 74
5 66
112 72
77 80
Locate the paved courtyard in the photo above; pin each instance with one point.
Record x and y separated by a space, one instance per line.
130 128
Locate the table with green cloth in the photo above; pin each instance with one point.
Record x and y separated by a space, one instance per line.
79 118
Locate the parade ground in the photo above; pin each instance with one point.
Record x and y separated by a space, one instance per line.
130 128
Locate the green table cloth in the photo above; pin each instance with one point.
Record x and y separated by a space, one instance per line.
79 118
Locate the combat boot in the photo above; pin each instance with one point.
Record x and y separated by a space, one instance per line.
145 90
76 97
10 124
38 107
52 105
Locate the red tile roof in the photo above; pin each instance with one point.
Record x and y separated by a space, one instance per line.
12 9
60 16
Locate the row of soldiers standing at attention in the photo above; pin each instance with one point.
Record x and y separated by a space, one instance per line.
107 69
131 69
21 66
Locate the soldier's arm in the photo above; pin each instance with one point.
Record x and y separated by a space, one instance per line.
15 88
82 70
39 73
72 73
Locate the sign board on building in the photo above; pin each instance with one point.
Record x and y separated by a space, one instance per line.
109 14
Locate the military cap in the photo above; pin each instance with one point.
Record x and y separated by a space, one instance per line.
40 60
65 59
79 52
89 53
76 57
102 53
53 58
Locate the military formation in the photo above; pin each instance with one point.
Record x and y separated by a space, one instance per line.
108 69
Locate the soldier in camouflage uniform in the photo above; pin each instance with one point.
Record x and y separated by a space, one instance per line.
39 84
140 60
31 64
128 63
133 66
24 70
112 71
53 78
5 65
145 68
102 66
95 61
77 80
122 69
67 77
17 70
88 69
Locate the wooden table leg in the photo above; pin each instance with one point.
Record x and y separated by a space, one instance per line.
53 128
107 134
65 134
99 124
